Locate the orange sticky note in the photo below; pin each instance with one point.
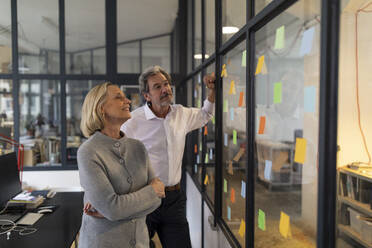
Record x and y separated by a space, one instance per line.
232 195
232 88
261 61
300 152
284 225
206 180
230 168
242 228
196 149
241 98
205 130
262 125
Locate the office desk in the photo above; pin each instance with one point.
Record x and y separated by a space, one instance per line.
57 230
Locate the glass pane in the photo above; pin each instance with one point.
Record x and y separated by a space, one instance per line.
75 94
6 115
85 31
198 134
132 92
260 4
99 61
40 122
234 141
287 87
189 154
38 36
156 52
354 163
210 153
5 37
198 34
233 17
210 29
128 58
189 37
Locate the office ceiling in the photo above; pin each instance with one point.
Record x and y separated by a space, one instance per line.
85 22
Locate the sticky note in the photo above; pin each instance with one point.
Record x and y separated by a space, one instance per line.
242 192
284 225
235 137
242 229
230 168
307 41
225 139
278 92
200 146
260 63
279 38
211 153
261 129
244 58
241 98
199 78
309 99
206 158
232 195
264 68
195 94
239 155
300 152
261 220
197 159
195 148
232 88
205 130
232 114
225 106
224 185
228 213
213 120
206 180
267 172
198 104
195 168
224 72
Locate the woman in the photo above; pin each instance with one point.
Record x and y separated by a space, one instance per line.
115 174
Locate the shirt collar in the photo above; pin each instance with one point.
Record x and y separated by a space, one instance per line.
150 115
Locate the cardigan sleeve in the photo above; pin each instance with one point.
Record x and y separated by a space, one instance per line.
101 194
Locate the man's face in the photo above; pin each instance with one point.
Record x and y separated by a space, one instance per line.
160 93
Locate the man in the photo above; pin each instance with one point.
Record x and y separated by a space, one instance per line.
162 127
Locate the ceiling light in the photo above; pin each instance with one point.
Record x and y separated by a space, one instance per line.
229 30
199 56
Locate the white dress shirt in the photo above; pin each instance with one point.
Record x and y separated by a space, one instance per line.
164 138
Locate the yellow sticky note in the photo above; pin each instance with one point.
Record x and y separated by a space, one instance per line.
206 180
300 152
224 72
244 58
232 88
284 225
242 229
225 106
279 38
206 158
260 63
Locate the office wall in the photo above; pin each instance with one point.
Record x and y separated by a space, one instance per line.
56 180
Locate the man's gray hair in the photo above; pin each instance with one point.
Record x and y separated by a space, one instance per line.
149 72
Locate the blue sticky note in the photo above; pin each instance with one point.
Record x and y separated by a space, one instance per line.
195 94
307 41
232 114
228 213
225 139
268 166
197 159
211 153
309 99
195 168
243 189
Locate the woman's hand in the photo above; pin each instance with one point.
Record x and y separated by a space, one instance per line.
91 211
158 187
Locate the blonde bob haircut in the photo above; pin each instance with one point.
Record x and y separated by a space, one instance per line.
91 114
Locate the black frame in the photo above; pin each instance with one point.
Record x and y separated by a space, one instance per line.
326 232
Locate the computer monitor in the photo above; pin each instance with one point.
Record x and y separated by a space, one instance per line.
10 184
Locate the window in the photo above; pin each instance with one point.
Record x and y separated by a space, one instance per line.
6 115
156 52
5 38
233 17
128 57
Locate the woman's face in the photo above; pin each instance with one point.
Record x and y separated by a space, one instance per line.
116 109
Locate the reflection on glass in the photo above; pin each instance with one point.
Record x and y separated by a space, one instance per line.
132 92
198 134
85 34
354 163
5 38
260 4
156 52
6 115
38 36
40 122
197 34
75 94
234 142
128 58
210 30
287 87
233 17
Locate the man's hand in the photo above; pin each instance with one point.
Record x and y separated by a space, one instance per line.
91 211
209 82
158 187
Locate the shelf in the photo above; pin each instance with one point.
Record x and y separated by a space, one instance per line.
361 207
357 173
354 235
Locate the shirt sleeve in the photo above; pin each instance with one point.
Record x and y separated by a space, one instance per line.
102 196
199 117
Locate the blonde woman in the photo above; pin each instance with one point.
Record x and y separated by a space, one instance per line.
115 173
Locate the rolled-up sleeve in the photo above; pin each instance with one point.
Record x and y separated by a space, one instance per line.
199 117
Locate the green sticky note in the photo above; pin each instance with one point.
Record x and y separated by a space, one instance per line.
235 136
244 58
206 158
213 120
261 220
278 92
198 104
224 185
225 106
279 38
